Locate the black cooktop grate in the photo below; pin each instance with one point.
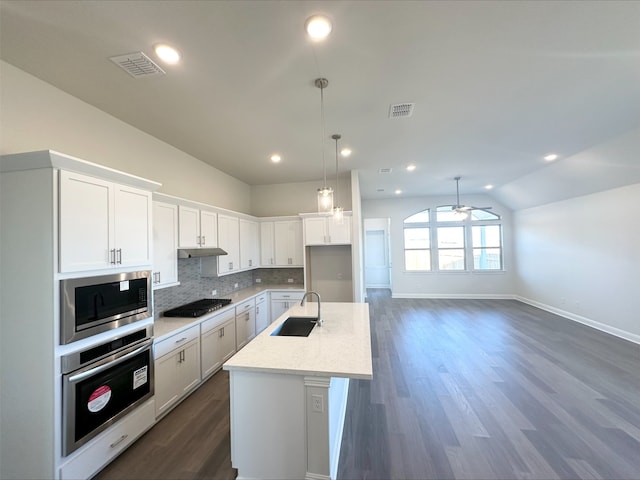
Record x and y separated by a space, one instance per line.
198 308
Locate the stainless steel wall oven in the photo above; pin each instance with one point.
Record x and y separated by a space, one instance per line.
93 305
103 383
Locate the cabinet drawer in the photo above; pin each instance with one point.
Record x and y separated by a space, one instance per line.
216 321
261 298
243 307
99 452
176 341
288 295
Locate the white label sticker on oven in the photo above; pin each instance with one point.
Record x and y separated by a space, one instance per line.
139 377
124 285
99 398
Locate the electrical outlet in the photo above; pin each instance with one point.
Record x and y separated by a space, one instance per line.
258 280
289 280
317 403
235 285
214 293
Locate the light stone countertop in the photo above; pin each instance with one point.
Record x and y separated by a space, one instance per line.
166 326
341 347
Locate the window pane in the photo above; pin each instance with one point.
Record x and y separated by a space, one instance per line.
486 236
420 217
416 238
487 259
450 237
483 215
417 260
451 259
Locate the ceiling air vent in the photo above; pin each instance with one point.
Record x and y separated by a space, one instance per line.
400 110
137 65
384 170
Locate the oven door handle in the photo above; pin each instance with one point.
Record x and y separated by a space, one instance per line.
101 368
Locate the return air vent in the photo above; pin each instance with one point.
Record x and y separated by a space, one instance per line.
137 65
384 170
400 110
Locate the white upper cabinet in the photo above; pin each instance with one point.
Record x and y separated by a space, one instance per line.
267 247
229 241
323 230
102 224
197 228
165 244
288 247
249 244
281 243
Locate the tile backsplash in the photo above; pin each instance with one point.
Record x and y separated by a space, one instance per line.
193 286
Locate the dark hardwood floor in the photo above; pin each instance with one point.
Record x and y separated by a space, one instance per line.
476 389
491 389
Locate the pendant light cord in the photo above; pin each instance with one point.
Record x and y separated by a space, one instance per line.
324 167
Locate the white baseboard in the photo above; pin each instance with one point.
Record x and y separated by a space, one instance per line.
632 337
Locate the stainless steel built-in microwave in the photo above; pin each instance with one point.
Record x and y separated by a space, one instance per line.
93 305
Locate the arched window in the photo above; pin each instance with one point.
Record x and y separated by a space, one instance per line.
467 241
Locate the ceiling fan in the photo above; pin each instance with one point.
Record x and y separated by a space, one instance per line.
463 210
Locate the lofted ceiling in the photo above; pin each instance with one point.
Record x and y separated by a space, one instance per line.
496 85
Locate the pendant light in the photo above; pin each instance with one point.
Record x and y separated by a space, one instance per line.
338 212
325 194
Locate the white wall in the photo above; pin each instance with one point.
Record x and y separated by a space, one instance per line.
581 258
37 116
294 198
441 284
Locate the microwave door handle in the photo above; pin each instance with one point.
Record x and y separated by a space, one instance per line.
100 368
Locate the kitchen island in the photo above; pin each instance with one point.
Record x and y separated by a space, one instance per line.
289 394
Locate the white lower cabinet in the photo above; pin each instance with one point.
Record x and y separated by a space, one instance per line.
177 368
283 301
217 341
262 313
245 323
87 461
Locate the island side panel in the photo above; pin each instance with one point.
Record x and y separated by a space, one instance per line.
268 435
338 395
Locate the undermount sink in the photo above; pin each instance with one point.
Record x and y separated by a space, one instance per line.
295 327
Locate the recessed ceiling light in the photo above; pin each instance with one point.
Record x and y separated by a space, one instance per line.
167 54
551 157
488 187
398 192
411 168
275 158
318 27
345 152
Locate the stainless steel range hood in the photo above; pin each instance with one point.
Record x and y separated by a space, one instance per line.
200 252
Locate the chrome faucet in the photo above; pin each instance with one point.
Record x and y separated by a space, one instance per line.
319 320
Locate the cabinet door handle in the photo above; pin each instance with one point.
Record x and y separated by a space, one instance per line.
230 265
119 256
112 256
204 240
250 263
119 441
221 332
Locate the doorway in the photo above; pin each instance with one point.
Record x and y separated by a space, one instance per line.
377 263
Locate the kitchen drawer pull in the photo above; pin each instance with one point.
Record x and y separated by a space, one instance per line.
119 441
181 340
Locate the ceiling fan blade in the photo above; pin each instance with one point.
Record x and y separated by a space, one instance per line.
479 208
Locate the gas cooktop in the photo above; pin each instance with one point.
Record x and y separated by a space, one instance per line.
198 308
